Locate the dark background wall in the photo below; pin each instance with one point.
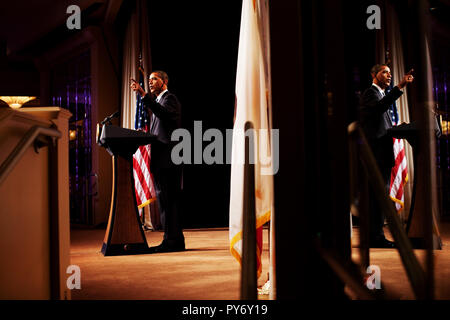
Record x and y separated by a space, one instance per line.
196 43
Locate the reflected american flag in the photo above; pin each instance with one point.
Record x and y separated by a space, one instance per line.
399 173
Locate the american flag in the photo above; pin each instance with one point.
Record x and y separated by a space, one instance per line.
143 181
399 173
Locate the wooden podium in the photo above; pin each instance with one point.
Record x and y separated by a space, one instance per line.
124 234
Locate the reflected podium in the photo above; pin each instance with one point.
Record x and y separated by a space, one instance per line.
414 229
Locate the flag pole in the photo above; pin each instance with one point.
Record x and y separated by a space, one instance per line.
249 264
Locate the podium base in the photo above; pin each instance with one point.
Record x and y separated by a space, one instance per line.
124 249
419 243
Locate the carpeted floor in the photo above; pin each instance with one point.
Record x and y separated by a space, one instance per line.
207 271
393 274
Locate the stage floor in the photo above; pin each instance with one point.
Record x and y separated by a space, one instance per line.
207 271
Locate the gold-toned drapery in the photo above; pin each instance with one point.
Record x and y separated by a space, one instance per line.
136 41
136 46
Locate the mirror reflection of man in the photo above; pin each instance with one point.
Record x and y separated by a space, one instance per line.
166 117
375 121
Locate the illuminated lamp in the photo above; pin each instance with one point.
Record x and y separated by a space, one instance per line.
16 102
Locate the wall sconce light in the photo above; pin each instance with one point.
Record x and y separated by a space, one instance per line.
17 101
445 127
72 135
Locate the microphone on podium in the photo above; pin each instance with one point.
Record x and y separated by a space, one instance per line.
110 117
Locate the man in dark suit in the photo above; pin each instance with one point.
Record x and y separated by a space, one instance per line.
166 117
375 121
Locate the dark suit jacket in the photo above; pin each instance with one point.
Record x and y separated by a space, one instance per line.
375 121
167 118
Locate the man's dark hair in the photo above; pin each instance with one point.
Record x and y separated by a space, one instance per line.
376 68
162 75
